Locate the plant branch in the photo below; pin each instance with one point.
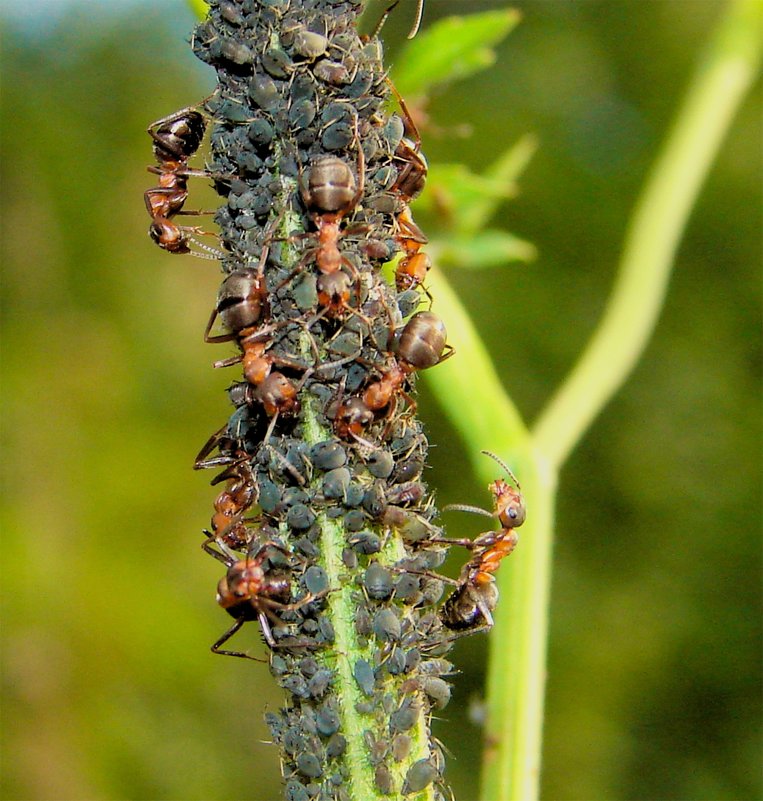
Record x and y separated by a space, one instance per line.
718 87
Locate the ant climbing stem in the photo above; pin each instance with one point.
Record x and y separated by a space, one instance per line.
176 138
330 194
469 607
252 590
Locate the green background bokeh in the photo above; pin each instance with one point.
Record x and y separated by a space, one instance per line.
108 688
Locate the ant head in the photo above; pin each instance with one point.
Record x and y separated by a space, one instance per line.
509 503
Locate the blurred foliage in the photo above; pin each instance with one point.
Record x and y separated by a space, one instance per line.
109 691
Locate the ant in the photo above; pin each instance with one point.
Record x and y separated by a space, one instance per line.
253 589
470 606
411 271
421 344
176 137
412 175
330 194
241 302
228 527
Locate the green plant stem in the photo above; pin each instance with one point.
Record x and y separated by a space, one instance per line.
659 218
516 671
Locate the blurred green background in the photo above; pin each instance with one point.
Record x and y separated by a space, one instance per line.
109 690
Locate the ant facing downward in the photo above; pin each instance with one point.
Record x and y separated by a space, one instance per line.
176 137
422 344
255 589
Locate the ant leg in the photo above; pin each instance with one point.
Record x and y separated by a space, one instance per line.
226 558
288 466
380 24
229 362
218 337
228 634
298 269
427 574
200 460
271 427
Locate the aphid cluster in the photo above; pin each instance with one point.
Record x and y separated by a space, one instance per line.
323 514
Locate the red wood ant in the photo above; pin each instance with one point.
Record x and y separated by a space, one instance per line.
330 194
411 271
254 589
241 302
412 175
228 527
176 138
470 606
422 344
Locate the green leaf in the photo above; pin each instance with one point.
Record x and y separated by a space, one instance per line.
199 7
452 49
452 190
504 172
490 248
468 200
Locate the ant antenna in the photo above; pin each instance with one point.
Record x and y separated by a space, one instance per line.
390 8
503 465
463 507
212 254
417 23
383 19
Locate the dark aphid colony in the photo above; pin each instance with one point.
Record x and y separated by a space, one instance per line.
323 524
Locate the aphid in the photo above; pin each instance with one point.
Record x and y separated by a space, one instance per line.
176 139
470 605
420 775
252 590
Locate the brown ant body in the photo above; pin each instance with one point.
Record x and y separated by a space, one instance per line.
330 194
253 589
470 606
176 139
241 305
411 271
422 344
227 524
